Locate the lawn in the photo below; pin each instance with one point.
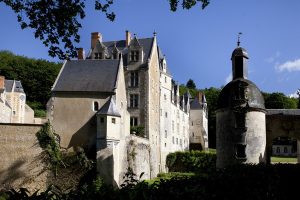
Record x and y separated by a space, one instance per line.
275 159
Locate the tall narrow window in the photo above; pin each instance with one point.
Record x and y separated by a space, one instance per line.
96 106
134 56
133 121
134 101
134 79
98 55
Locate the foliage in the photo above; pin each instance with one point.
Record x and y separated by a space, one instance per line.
37 76
191 84
278 100
137 130
57 23
191 161
49 141
276 159
183 89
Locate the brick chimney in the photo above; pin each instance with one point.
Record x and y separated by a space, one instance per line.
94 38
81 54
128 38
2 80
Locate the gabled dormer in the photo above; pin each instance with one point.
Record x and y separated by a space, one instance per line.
98 49
115 53
135 51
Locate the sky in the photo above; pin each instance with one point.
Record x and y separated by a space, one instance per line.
197 43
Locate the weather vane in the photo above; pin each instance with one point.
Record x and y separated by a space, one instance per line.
239 36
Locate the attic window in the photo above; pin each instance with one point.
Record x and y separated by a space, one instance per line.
96 106
98 55
134 56
115 55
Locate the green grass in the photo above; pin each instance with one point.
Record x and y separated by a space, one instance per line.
275 159
170 175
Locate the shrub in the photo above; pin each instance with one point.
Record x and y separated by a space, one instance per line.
191 161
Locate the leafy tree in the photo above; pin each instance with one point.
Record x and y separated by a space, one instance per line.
57 23
278 100
191 84
37 76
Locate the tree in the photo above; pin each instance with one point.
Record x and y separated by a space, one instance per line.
191 84
57 23
278 100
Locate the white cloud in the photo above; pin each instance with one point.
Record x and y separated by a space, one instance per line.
228 78
294 95
289 66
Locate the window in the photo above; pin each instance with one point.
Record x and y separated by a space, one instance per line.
165 144
96 106
134 79
113 120
180 142
173 139
166 133
134 101
285 150
278 150
176 140
165 97
98 55
101 119
115 55
133 121
165 79
166 114
134 56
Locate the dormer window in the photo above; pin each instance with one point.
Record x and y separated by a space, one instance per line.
98 55
115 55
134 56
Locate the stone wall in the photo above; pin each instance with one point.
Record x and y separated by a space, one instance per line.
21 164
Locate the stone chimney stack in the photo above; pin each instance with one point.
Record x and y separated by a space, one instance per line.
128 38
81 54
94 38
2 80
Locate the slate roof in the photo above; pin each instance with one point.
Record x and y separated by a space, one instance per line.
87 76
146 43
9 86
109 108
283 112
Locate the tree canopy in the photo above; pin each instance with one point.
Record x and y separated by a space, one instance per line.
191 84
57 23
37 76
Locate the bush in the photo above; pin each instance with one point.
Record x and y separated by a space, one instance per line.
191 161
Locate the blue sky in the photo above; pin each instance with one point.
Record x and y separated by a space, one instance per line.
197 43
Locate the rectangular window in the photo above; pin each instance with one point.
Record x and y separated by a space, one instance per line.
134 101
98 55
173 139
134 56
133 121
101 119
113 120
166 133
134 79
166 114
176 140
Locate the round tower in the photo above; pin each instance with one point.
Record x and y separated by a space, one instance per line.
241 117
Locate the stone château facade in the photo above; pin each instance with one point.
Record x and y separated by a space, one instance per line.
122 87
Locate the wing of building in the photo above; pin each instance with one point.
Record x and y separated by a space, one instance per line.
121 97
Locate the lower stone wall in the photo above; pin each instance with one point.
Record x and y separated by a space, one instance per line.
138 155
21 157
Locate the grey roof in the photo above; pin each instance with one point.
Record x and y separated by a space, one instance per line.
231 95
239 51
146 43
283 112
10 87
109 108
196 103
87 76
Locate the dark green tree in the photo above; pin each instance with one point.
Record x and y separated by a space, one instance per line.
37 76
57 23
278 100
191 84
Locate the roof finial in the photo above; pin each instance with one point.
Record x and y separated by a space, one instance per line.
154 33
239 36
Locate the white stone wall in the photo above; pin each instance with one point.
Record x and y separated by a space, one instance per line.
17 101
199 127
255 137
5 111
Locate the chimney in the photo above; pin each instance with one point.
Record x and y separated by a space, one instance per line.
81 54
199 97
128 38
2 80
94 38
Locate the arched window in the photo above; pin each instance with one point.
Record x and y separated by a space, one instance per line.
96 106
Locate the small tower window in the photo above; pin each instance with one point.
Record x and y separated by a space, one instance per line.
101 119
134 56
96 106
134 79
113 120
